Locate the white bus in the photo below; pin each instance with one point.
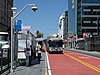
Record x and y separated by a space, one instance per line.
55 45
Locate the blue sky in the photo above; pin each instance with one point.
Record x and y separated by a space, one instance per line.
46 18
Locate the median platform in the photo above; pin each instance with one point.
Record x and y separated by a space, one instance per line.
37 68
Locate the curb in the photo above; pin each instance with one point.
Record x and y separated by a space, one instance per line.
48 65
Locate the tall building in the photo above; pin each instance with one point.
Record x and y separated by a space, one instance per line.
61 26
83 17
5 14
66 25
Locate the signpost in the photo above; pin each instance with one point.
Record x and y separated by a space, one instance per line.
18 25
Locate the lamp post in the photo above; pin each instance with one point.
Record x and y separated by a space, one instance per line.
34 8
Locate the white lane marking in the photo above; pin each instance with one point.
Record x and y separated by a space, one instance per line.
84 57
48 64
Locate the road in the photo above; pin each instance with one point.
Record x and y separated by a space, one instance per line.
71 63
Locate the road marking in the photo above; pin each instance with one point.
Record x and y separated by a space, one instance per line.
83 57
48 64
84 63
46 73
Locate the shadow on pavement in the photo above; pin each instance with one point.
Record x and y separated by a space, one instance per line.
34 62
20 68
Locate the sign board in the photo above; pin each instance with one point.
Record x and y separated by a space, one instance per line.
18 25
21 47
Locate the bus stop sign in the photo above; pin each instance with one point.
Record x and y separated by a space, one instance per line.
18 25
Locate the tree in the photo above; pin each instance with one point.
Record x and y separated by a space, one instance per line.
39 34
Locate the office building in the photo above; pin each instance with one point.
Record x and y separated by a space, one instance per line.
66 25
5 14
61 26
83 17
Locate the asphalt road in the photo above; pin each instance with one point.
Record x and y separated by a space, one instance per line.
35 69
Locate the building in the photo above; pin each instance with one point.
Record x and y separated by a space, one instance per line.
61 26
71 17
66 25
5 25
5 14
83 17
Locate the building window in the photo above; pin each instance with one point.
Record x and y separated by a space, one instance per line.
90 1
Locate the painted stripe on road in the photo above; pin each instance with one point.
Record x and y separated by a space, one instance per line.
46 73
84 63
48 64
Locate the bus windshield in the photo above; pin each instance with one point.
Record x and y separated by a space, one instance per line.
55 43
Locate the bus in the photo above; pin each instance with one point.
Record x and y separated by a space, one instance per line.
55 45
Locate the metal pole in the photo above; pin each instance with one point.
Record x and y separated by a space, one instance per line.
23 10
11 44
16 48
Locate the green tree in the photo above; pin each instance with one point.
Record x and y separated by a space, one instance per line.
39 34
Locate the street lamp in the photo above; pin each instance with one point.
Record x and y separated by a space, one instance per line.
34 8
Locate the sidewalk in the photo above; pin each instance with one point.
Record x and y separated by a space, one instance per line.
91 53
35 69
